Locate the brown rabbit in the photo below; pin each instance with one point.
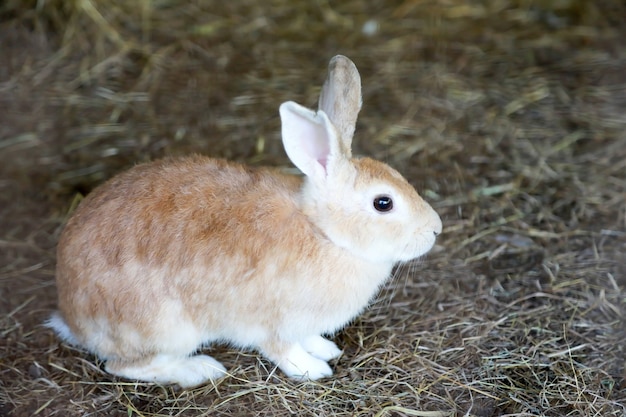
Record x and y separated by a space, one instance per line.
174 254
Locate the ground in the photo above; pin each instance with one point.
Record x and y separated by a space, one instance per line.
507 115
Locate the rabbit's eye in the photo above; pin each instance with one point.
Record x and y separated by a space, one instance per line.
383 203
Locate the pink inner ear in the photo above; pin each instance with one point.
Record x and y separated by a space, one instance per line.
322 161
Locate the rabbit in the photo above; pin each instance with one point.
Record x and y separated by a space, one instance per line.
172 255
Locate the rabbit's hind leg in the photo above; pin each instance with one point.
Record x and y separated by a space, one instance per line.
186 371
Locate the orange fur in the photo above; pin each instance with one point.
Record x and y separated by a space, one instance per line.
174 254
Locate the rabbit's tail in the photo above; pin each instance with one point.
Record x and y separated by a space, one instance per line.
60 327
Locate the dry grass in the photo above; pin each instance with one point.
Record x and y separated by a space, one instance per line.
508 115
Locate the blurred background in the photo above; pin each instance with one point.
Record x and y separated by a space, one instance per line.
508 116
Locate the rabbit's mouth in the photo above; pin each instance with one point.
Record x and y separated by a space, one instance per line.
419 247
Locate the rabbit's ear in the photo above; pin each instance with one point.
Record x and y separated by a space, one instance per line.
341 98
310 139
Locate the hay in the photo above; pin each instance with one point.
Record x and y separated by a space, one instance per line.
508 115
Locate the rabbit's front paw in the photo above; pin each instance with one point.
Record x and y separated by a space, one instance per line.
321 348
298 364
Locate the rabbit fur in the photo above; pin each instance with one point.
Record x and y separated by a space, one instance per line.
172 255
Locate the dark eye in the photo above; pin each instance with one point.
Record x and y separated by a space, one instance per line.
383 203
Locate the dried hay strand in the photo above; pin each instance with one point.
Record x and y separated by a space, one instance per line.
507 115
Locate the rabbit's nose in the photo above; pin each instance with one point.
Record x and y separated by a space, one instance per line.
437 226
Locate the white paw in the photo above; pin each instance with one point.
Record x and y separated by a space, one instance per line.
321 348
165 369
300 365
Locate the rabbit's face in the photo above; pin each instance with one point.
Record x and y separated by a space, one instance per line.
372 211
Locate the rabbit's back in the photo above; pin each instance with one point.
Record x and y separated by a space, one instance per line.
158 213
169 241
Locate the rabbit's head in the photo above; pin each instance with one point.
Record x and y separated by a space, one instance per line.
361 205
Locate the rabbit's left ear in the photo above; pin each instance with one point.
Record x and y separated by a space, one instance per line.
310 140
341 99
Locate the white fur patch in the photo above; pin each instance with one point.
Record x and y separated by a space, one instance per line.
56 323
298 364
165 369
178 335
321 348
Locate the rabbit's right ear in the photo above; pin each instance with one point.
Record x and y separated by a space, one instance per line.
310 140
341 98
